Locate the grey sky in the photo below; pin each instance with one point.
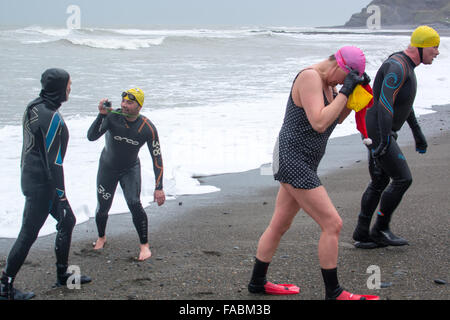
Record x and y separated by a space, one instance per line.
103 13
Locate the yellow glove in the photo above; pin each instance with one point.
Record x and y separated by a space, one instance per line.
359 99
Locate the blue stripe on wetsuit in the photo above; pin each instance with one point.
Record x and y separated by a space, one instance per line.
59 160
60 192
52 130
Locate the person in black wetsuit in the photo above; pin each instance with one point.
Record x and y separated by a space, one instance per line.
126 132
394 93
45 138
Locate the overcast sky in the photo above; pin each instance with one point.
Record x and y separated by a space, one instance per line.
103 13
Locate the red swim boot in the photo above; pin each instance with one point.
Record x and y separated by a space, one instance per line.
345 295
274 289
281 289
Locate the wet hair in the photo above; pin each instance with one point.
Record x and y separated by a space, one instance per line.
332 57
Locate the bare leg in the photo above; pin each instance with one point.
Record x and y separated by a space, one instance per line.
100 243
286 207
318 205
145 252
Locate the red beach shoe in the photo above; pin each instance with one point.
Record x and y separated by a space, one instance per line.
345 295
281 289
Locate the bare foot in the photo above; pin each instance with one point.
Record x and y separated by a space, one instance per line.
145 252
100 243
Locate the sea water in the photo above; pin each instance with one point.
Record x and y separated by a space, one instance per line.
216 96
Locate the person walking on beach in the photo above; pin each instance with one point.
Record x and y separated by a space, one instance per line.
394 93
126 132
45 138
313 111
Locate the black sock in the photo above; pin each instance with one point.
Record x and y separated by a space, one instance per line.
332 287
259 272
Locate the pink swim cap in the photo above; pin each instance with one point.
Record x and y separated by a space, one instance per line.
351 58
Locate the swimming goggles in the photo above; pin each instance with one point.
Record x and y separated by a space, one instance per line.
130 96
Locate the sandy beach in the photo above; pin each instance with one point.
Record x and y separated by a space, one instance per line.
203 246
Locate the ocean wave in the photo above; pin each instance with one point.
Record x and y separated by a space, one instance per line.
110 32
88 37
37 30
134 39
124 44
199 32
196 32
125 39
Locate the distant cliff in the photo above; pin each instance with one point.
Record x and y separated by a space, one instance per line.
406 13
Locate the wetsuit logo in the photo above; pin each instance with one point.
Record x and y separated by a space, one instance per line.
156 148
102 191
130 141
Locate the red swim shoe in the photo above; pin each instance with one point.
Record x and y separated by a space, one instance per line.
281 289
275 289
345 295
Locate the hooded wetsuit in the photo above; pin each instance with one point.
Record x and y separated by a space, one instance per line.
394 93
45 138
119 162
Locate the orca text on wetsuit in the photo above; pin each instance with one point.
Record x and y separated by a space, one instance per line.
119 162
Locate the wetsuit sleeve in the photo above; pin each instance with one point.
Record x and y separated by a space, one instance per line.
419 137
155 152
51 125
392 82
98 127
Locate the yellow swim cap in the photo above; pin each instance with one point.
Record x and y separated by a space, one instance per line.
134 94
425 37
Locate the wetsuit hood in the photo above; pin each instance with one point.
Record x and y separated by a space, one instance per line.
54 84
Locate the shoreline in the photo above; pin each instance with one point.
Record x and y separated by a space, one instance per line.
203 245
444 30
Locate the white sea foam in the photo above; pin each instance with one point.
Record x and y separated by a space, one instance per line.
126 44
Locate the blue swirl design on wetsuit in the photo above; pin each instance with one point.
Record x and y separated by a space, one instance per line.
394 86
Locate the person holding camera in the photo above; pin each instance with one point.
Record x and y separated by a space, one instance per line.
126 132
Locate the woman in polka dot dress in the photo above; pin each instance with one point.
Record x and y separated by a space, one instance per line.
314 109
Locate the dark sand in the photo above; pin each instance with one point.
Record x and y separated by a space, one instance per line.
203 246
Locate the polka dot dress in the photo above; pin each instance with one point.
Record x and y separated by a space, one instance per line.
299 149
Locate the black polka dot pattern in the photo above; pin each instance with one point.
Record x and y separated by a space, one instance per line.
299 149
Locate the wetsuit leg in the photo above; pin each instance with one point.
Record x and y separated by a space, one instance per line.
395 165
107 179
131 186
370 199
66 222
37 206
